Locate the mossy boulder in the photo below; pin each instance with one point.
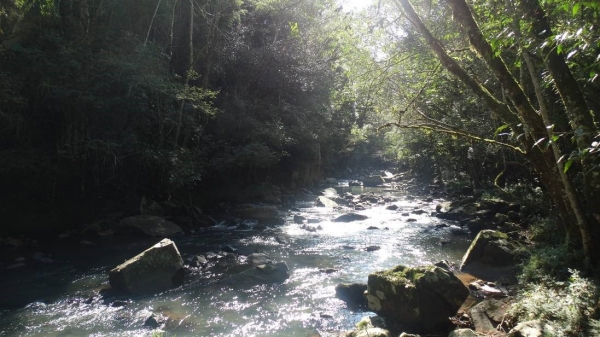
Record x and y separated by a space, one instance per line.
493 255
418 298
156 269
492 248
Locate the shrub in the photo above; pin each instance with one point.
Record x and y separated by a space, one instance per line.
569 306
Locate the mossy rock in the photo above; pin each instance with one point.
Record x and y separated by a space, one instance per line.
419 298
492 248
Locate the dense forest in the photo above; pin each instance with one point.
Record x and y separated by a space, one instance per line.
103 102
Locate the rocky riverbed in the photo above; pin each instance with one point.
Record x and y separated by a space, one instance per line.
327 237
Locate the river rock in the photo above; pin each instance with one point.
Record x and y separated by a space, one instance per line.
299 219
537 328
349 217
462 333
458 213
353 293
258 259
490 248
495 205
392 207
369 332
151 225
477 225
198 261
355 183
372 181
420 298
263 274
156 269
326 202
488 314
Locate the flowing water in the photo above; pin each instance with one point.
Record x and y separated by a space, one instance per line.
62 299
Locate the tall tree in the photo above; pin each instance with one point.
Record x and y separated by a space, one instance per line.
521 116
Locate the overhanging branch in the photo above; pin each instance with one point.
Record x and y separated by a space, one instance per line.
458 133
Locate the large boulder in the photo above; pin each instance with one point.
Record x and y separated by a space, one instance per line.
156 269
326 202
151 225
490 249
373 181
418 298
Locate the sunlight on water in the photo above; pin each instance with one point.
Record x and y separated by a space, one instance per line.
210 305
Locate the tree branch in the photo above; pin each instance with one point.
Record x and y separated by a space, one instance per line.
458 133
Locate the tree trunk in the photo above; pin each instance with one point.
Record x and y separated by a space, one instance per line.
580 116
464 17
188 73
540 159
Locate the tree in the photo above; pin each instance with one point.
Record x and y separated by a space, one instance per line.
519 114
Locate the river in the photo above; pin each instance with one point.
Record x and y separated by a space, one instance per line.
62 298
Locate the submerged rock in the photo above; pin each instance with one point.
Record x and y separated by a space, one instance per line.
420 298
156 269
263 274
152 226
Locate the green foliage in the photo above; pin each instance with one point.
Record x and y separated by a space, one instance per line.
546 262
570 307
